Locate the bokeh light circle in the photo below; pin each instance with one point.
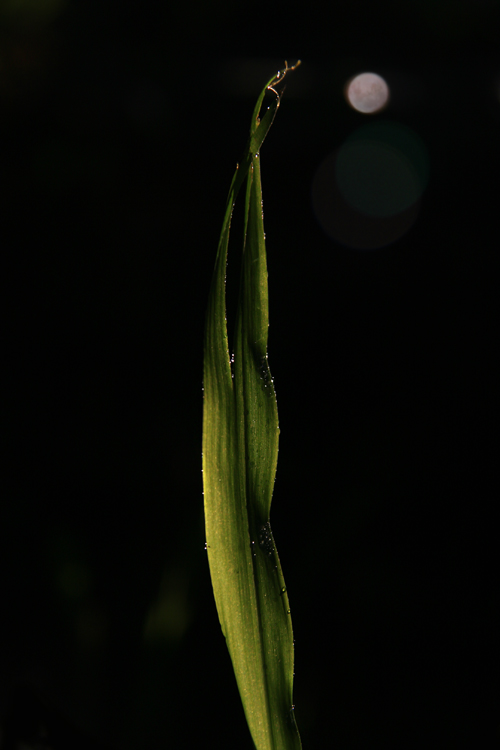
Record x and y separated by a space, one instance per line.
367 93
367 193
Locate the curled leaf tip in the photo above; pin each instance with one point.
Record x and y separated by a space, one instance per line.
280 75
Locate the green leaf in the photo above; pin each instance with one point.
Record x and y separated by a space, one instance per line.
240 452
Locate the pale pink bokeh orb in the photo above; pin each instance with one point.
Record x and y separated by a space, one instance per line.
367 93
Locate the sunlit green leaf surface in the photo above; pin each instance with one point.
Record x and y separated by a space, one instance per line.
240 451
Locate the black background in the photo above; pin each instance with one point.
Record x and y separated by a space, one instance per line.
120 128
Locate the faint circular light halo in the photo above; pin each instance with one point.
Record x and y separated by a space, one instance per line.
376 178
344 224
367 93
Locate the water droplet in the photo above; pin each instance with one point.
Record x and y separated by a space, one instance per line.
288 611
266 539
283 589
265 377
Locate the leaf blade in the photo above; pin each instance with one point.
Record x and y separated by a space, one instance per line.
240 448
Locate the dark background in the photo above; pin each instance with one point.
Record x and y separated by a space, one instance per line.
120 127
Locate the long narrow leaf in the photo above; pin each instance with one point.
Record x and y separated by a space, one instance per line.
240 451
